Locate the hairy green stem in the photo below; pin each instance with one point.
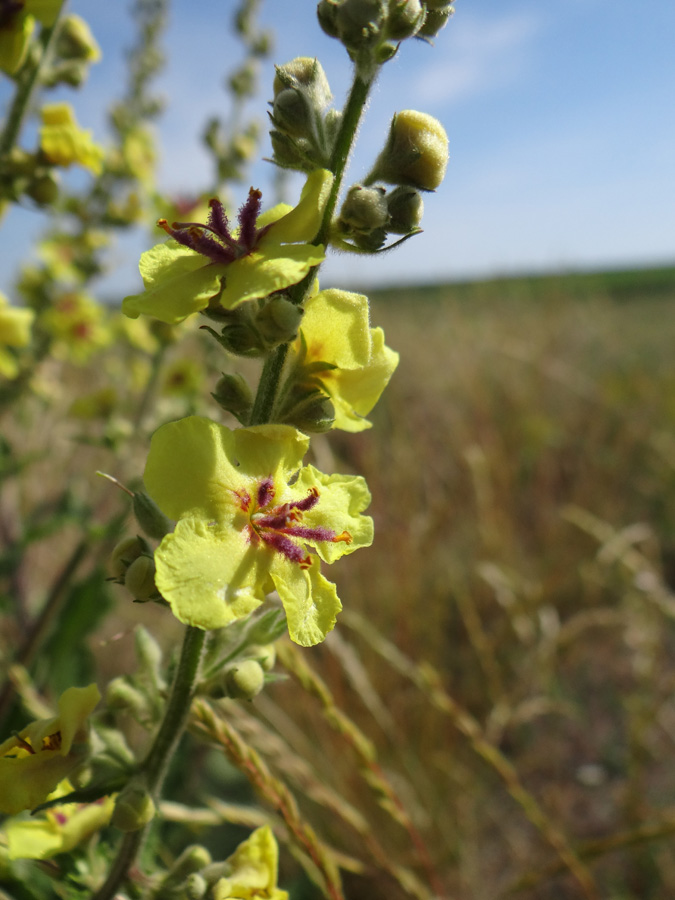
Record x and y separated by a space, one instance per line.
270 378
26 81
156 763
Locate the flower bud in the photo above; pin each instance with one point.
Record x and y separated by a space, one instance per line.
234 395
310 410
44 189
435 20
405 207
291 113
134 808
75 40
307 75
125 553
150 517
192 860
371 241
278 321
194 887
120 694
360 22
416 152
140 579
266 656
364 209
245 680
405 19
326 12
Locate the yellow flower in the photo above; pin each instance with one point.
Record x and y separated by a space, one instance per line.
253 873
33 762
15 325
58 829
63 142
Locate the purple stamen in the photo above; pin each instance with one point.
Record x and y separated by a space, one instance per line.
218 220
265 492
284 545
310 534
247 215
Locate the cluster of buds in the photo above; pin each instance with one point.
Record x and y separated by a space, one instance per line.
304 123
253 329
414 159
372 29
28 174
75 50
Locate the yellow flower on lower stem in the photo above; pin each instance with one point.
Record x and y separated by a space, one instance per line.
254 867
250 520
63 142
33 762
335 331
58 829
15 325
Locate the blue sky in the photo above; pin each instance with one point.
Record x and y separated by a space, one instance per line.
559 115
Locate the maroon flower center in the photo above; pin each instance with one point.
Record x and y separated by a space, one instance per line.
280 526
214 240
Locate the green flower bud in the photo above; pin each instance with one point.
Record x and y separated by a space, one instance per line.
311 411
150 517
291 112
75 40
245 680
416 152
120 694
266 655
360 22
140 579
278 321
44 189
439 4
125 553
405 19
364 209
234 395
372 240
406 207
307 75
195 887
134 808
326 12
192 860
291 153
436 19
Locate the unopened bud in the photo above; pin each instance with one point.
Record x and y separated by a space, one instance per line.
234 395
416 152
291 112
120 694
150 517
194 887
125 553
360 22
75 40
405 19
44 189
278 321
192 860
306 74
245 680
312 412
266 655
140 579
134 808
435 20
326 13
406 207
364 208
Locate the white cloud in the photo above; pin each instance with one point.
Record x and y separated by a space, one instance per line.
480 54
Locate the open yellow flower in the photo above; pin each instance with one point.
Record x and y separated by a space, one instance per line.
254 867
63 142
247 525
33 762
268 253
